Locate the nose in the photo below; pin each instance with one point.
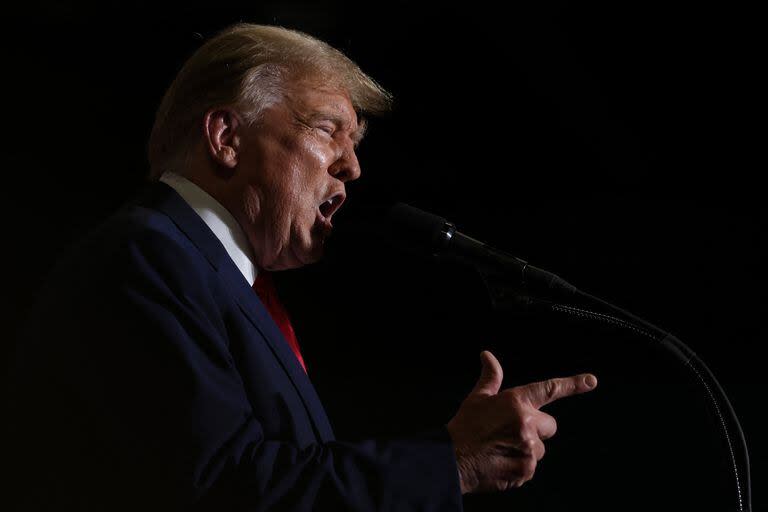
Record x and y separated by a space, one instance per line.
346 167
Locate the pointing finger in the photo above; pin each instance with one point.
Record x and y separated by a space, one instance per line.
542 393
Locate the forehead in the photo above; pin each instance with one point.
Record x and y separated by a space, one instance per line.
309 98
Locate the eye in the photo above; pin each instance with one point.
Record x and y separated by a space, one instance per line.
327 128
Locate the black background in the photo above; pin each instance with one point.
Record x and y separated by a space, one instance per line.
614 143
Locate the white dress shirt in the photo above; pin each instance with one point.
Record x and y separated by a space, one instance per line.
219 220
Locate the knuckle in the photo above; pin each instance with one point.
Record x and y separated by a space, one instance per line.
528 446
528 468
527 420
529 426
551 388
513 398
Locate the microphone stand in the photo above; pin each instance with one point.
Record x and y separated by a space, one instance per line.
514 285
507 276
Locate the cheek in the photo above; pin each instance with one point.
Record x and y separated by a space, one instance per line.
316 154
251 205
292 175
306 174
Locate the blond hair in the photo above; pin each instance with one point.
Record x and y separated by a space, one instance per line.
246 66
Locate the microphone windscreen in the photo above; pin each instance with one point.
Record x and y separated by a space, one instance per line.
414 227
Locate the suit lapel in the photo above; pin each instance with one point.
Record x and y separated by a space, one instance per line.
163 198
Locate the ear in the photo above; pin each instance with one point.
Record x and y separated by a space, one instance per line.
221 131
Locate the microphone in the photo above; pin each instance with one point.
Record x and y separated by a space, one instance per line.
427 232
417 229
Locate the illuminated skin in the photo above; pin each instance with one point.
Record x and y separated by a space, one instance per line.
499 435
274 175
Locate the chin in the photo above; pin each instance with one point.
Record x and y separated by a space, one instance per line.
297 258
310 257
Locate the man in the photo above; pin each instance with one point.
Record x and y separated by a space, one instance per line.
153 376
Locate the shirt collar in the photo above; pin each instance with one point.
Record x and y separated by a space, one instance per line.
219 220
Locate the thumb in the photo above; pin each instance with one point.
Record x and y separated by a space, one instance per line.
490 376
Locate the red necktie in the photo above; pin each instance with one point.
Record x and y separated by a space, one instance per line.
265 288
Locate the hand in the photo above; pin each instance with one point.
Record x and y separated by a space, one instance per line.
498 436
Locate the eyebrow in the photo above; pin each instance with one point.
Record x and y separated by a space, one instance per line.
362 126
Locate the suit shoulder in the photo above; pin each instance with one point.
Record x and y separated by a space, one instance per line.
136 243
140 226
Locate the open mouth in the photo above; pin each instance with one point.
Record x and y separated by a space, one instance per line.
330 206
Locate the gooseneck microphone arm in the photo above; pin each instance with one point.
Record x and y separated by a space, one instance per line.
513 284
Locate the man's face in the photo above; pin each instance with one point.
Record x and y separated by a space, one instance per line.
292 168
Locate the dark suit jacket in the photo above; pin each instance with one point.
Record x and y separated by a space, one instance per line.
150 376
